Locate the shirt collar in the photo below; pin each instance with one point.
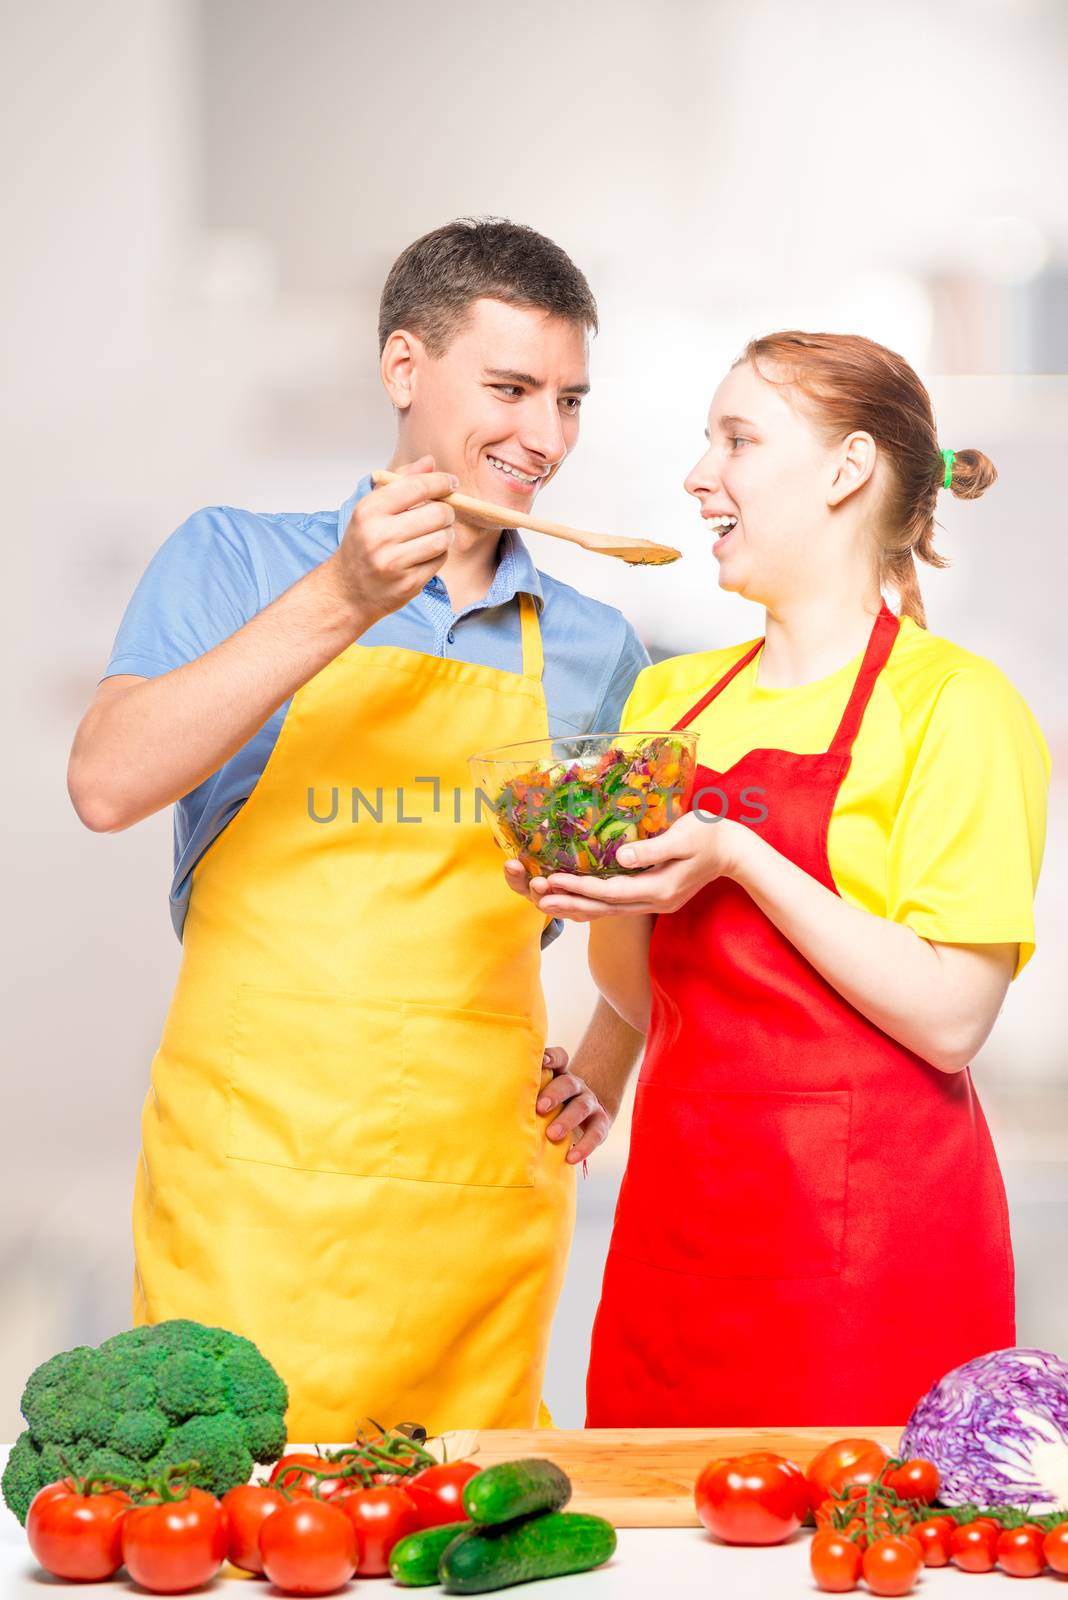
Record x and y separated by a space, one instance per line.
515 574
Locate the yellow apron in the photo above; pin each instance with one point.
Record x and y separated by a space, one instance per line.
342 1157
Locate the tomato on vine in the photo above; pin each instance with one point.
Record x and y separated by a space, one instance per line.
835 1561
76 1535
891 1566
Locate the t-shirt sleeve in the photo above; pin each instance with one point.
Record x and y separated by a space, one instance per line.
630 661
198 589
966 845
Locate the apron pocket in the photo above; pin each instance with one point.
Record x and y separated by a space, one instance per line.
323 1081
311 1081
737 1183
470 1081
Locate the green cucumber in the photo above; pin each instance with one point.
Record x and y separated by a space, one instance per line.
415 1559
516 1489
549 1545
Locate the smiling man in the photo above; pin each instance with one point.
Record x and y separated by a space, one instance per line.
351 1150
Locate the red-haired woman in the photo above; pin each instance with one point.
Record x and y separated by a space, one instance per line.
812 1226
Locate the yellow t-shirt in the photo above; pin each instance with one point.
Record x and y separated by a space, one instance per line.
940 821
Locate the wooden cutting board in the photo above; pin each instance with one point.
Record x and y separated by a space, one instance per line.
644 1477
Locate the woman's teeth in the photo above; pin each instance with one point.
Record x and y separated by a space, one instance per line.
722 525
513 472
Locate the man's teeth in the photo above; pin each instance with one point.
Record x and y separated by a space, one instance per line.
524 477
722 524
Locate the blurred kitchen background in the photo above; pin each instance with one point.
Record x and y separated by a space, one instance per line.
201 200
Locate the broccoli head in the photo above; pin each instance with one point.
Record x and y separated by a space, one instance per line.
147 1399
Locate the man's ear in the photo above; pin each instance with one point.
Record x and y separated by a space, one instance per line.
853 466
400 360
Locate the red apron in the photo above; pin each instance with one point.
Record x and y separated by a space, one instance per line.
812 1227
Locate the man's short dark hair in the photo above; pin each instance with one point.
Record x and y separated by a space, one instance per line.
433 283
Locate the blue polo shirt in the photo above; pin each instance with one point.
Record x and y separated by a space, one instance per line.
223 566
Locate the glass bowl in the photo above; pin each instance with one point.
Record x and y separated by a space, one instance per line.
567 805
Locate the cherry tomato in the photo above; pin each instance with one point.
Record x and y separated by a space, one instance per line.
1019 1551
381 1516
915 1480
973 1546
835 1561
1055 1547
753 1499
177 1544
247 1507
438 1492
857 1529
296 1474
308 1547
861 1473
831 1460
933 1534
891 1566
76 1536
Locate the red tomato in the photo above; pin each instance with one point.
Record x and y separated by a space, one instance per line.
177 1544
862 1472
76 1536
891 1566
438 1492
835 1561
247 1507
381 1517
831 1460
754 1499
973 1546
915 1480
933 1534
856 1528
1019 1551
296 1474
308 1547
1055 1547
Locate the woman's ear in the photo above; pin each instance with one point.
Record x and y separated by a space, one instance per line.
854 465
397 368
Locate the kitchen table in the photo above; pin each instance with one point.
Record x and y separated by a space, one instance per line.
664 1562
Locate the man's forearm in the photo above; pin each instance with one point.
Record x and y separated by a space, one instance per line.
143 745
606 1054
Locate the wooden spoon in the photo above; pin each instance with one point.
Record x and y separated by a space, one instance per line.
639 552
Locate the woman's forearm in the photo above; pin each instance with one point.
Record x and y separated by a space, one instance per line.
606 1054
619 964
938 1000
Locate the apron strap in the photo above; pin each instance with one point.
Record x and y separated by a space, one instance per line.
533 654
880 644
718 688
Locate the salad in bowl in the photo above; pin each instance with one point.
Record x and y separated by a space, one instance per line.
568 805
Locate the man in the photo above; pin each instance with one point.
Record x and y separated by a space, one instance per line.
345 1156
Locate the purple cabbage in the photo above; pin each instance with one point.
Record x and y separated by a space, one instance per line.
997 1430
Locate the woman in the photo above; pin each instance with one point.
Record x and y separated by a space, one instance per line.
812 1227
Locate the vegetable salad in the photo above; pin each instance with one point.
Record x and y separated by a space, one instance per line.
573 815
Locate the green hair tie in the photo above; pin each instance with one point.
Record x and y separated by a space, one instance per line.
948 456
